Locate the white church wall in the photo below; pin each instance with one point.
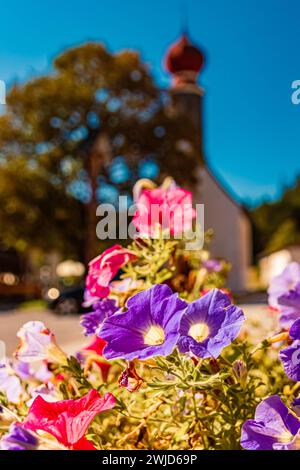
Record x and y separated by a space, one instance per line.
232 231
273 264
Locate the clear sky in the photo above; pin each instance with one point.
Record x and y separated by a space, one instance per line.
251 127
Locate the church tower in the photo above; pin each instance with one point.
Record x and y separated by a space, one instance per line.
184 62
228 219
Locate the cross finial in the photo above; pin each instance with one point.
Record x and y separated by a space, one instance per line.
184 17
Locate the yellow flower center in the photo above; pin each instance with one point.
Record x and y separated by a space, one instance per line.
285 437
154 336
199 332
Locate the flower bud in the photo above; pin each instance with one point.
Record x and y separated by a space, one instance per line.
240 372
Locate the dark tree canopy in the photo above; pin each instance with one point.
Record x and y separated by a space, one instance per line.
49 130
277 224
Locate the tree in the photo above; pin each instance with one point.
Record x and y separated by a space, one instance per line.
49 174
277 224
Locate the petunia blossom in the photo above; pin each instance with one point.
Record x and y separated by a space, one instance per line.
18 438
213 265
48 392
37 343
296 406
209 324
283 282
274 427
290 356
279 294
35 371
93 320
171 209
148 328
94 355
289 306
104 268
10 384
68 420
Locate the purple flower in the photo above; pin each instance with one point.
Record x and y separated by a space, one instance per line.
93 320
274 428
209 324
88 299
213 265
291 298
36 371
296 406
18 438
148 328
289 305
284 292
290 356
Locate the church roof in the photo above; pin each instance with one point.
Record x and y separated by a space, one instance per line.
224 187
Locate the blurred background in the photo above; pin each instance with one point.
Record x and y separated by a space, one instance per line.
101 94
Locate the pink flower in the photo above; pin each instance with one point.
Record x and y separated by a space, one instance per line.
95 349
170 208
104 268
68 420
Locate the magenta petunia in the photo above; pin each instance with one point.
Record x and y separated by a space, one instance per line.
104 268
209 324
68 420
171 209
148 328
274 427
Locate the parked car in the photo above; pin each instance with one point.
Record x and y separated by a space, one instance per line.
69 302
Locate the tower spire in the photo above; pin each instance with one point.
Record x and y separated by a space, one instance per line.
184 18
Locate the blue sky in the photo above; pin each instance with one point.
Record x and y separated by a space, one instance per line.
251 127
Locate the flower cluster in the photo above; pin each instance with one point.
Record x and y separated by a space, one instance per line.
171 363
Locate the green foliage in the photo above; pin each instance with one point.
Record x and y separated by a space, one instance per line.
50 128
277 224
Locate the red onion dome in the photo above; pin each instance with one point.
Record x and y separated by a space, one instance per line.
183 56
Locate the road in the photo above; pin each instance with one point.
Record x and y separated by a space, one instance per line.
260 322
67 329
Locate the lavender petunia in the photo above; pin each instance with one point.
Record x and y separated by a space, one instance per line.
283 292
283 282
274 427
290 356
296 406
92 321
213 265
34 371
209 324
37 343
289 305
148 328
88 299
10 384
18 438
48 392
291 298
